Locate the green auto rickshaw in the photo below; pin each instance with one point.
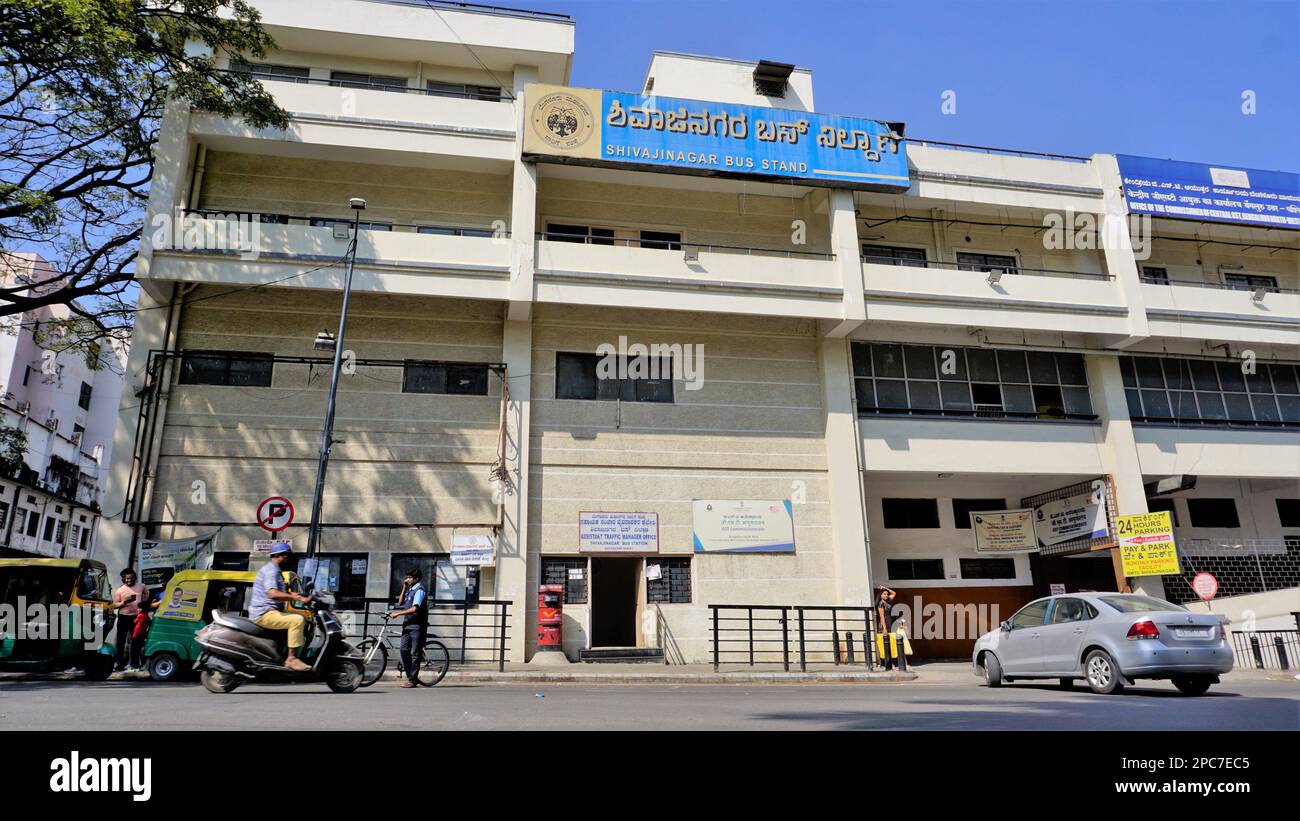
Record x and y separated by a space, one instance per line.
186 608
54 616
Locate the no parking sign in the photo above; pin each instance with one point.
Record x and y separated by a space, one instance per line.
275 514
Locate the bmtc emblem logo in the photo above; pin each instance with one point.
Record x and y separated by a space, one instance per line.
563 121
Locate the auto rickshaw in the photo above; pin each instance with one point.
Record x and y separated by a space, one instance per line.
55 636
186 608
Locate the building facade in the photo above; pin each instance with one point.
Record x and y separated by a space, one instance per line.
62 401
874 355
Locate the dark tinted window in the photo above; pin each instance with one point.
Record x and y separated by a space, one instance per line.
914 569
1213 513
226 368
674 583
988 568
962 508
437 377
570 572
910 513
636 379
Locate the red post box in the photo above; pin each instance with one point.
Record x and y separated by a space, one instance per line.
550 617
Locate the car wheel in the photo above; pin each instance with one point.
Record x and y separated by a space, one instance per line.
164 667
1066 684
1192 685
992 670
1103 676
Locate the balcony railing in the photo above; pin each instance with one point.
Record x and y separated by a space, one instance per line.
1222 286
366 225
678 245
984 269
373 86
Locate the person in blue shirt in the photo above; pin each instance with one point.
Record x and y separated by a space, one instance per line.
413 610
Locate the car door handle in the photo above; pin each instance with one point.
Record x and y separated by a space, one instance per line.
1079 632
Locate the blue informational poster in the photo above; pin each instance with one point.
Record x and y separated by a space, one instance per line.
1219 193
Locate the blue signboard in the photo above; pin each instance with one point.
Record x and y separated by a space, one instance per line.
1188 190
699 137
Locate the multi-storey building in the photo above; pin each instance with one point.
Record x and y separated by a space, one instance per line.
879 346
62 398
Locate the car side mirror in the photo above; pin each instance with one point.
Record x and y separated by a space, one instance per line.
1006 626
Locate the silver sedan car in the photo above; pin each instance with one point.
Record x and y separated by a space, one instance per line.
1107 639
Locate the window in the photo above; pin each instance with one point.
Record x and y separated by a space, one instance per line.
988 568
83 401
33 523
48 535
1065 611
1139 604
1288 512
963 508
1249 282
902 570
570 572
59 530
674 583
27 374
451 231
267 71
910 513
1213 513
890 255
230 560
344 574
581 376
230 368
437 377
491 94
923 380
77 430
663 240
348 79
4 514
1155 275
1030 616
1166 390
443 580
985 263
84 542
1164 504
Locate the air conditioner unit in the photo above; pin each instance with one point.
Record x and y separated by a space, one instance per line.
24 407
76 438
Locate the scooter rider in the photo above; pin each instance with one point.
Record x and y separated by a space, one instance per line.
265 608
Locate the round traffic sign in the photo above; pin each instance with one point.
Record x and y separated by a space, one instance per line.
1205 585
275 514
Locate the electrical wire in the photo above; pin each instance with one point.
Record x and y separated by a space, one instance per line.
506 90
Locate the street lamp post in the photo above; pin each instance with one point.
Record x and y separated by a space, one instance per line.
327 438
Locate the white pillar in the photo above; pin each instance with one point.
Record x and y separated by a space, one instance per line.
1117 249
1119 456
848 263
513 580
523 209
844 475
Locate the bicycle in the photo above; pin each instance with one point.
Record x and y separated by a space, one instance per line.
433 662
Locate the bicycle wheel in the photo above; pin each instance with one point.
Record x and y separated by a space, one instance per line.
434 664
375 665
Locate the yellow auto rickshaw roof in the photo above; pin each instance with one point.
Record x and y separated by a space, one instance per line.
213 576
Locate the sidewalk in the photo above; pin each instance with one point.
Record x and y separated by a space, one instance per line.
516 673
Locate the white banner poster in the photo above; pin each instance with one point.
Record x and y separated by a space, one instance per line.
1003 531
604 532
160 560
1074 517
472 550
743 526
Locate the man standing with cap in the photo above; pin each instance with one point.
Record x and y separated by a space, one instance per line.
267 603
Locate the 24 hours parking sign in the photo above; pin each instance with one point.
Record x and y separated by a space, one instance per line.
1146 544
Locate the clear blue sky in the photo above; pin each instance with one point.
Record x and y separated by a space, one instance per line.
1159 79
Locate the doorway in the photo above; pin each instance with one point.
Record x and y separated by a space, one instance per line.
1093 570
614 601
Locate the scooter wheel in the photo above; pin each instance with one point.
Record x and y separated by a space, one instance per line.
345 677
218 681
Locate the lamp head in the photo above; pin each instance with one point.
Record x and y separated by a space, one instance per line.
357 204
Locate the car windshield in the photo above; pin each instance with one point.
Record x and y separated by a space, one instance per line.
1139 604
